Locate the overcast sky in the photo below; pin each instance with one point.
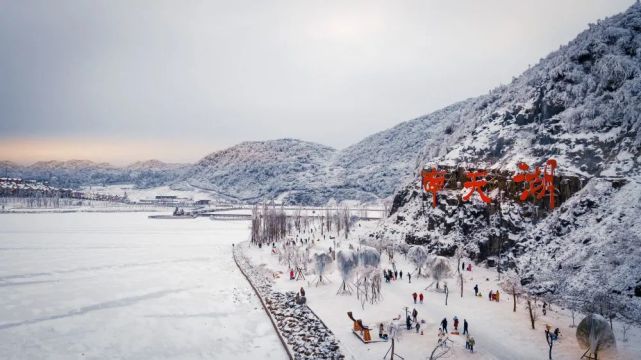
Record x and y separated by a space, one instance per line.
128 80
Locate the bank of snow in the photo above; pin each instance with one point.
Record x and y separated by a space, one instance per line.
499 332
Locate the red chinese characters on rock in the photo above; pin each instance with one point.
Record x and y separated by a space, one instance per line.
538 184
476 185
433 181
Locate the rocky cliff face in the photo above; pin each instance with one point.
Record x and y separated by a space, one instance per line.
580 106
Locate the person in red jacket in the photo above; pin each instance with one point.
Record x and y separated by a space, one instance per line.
420 298
414 296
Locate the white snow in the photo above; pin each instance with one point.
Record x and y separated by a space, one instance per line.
499 332
121 286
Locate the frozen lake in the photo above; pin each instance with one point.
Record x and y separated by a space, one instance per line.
121 286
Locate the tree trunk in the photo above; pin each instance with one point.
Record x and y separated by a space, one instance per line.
461 278
514 295
447 293
529 306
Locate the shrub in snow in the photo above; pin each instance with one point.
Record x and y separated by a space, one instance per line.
614 70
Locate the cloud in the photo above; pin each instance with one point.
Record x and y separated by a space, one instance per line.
221 72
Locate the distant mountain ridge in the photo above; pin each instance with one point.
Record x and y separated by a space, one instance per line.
547 111
77 173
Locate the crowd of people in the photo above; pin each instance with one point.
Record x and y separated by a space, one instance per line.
390 275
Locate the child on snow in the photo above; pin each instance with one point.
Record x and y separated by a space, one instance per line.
414 297
469 343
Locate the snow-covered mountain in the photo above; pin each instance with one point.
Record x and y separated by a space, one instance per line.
262 170
381 162
301 172
152 173
77 173
581 106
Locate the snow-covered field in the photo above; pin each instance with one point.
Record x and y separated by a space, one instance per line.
499 332
121 286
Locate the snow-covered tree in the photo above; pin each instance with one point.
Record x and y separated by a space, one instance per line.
321 261
511 284
440 269
418 256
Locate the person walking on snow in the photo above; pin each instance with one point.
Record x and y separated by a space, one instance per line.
400 274
444 325
463 267
476 290
395 274
471 342
455 323
418 325
420 297
415 315
408 322
414 297
465 327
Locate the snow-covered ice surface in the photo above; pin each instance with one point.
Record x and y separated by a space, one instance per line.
121 286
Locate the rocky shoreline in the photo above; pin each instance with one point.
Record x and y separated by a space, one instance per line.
303 334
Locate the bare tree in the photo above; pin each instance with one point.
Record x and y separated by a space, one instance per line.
459 256
550 341
447 292
512 285
603 303
532 309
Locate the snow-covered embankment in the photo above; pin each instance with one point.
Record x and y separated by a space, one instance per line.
304 335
